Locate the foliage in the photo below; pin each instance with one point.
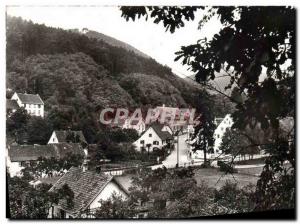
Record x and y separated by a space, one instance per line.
175 194
225 167
27 202
115 207
52 165
236 143
236 200
39 130
204 131
28 129
170 16
16 125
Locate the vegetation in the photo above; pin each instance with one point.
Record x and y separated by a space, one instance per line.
27 202
50 166
175 194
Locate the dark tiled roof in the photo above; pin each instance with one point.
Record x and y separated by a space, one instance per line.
11 104
86 186
63 134
18 153
164 135
30 98
64 149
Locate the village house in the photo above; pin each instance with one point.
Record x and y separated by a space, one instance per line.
222 124
89 188
138 125
67 136
32 103
18 156
156 136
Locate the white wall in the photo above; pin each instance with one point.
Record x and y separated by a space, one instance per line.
53 139
110 189
148 140
167 128
14 168
227 122
32 109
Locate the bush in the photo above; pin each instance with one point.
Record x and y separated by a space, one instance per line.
224 167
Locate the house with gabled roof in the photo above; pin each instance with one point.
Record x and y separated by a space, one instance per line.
32 103
20 155
60 136
156 136
89 188
138 125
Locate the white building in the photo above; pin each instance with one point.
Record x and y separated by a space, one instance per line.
18 156
138 125
32 103
89 188
222 125
156 136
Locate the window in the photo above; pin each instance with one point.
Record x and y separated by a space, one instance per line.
218 136
150 135
142 142
155 143
39 106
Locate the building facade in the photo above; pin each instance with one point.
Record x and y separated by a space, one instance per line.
156 136
32 103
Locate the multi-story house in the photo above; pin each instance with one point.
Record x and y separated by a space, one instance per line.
32 103
156 136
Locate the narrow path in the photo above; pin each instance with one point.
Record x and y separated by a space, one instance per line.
171 160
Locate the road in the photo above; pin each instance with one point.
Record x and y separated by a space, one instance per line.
171 160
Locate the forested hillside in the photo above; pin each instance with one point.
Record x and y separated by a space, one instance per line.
77 75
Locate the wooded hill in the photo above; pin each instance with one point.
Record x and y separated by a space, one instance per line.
78 74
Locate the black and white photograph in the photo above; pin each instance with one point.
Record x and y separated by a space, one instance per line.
143 112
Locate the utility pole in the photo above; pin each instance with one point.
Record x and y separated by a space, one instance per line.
177 133
178 149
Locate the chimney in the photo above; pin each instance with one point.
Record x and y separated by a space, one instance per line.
85 165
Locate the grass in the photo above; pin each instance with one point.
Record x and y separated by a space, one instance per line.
216 179
251 161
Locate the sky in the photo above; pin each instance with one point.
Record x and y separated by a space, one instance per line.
144 35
